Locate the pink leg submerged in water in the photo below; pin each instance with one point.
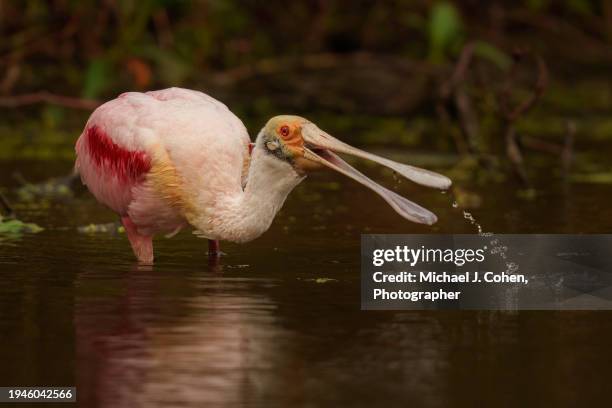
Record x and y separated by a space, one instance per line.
214 248
142 245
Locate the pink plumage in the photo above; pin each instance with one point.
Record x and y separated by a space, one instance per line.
127 166
167 159
116 150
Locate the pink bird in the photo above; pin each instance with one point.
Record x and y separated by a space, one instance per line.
167 159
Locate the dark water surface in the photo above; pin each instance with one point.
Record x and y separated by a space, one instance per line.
278 322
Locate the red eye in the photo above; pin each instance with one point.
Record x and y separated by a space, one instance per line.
284 131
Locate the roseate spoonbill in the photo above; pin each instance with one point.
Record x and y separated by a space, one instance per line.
166 159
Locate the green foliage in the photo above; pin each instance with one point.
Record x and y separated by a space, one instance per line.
96 78
11 228
262 58
85 48
445 31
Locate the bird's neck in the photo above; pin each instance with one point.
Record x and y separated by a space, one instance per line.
245 216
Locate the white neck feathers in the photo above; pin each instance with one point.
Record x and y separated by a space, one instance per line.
246 215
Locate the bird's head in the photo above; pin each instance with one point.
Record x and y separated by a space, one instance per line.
305 147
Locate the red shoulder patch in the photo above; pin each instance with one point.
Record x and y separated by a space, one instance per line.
124 164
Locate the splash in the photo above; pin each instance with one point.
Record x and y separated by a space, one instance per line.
495 246
468 216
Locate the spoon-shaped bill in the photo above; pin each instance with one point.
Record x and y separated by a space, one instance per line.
313 136
401 205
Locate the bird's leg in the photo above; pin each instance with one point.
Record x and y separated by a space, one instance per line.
142 245
214 248
214 255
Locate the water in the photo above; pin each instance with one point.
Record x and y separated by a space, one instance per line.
278 322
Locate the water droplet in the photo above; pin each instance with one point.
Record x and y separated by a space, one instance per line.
511 267
472 221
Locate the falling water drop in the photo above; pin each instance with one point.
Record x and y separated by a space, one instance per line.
397 180
472 221
495 246
511 267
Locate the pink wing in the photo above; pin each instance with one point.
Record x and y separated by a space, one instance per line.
109 170
205 142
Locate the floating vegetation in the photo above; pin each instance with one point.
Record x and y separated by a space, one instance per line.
319 280
325 280
594 178
109 228
30 192
12 228
58 187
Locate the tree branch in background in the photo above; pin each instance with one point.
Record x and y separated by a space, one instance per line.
454 91
17 101
10 78
325 60
458 76
511 115
6 207
522 108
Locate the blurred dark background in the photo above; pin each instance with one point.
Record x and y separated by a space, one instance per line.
497 82
511 99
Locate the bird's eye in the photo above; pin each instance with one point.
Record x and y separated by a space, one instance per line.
284 131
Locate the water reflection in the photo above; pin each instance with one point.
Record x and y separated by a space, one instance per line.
263 329
161 341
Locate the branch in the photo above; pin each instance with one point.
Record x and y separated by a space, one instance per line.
461 68
511 115
47 97
454 88
4 205
276 65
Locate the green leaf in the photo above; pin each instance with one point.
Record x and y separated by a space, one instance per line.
445 28
96 78
13 228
